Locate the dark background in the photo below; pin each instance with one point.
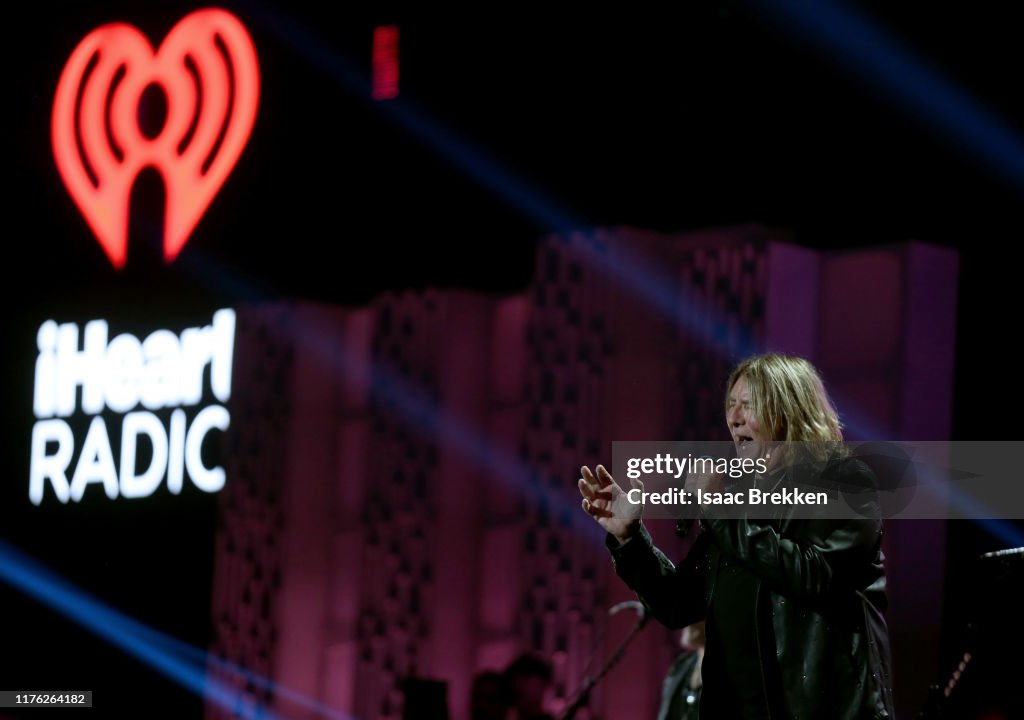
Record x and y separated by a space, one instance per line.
703 115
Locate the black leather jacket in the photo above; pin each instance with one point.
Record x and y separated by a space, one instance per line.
825 583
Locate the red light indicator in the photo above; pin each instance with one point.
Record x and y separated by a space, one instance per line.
209 74
385 62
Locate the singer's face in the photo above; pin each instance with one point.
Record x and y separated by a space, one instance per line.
739 414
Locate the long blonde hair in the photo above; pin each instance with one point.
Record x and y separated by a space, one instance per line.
788 398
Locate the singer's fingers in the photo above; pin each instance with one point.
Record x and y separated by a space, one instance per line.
587 487
595 510
591 492
596 483
588 484
604 478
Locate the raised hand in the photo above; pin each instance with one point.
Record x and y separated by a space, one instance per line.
606 502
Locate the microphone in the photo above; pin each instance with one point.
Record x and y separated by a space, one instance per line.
684 525
636 605
589 682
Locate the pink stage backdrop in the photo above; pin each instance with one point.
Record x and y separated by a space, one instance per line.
402 502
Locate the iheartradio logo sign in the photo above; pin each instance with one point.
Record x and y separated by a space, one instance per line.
206 69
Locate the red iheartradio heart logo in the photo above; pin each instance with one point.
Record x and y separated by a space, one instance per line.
207 70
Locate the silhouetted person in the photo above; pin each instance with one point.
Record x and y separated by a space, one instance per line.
490 697
529 677
680 693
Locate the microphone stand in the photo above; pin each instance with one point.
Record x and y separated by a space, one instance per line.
589 682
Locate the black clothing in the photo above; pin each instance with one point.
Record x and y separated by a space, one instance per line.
817 611
679 701
735 675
